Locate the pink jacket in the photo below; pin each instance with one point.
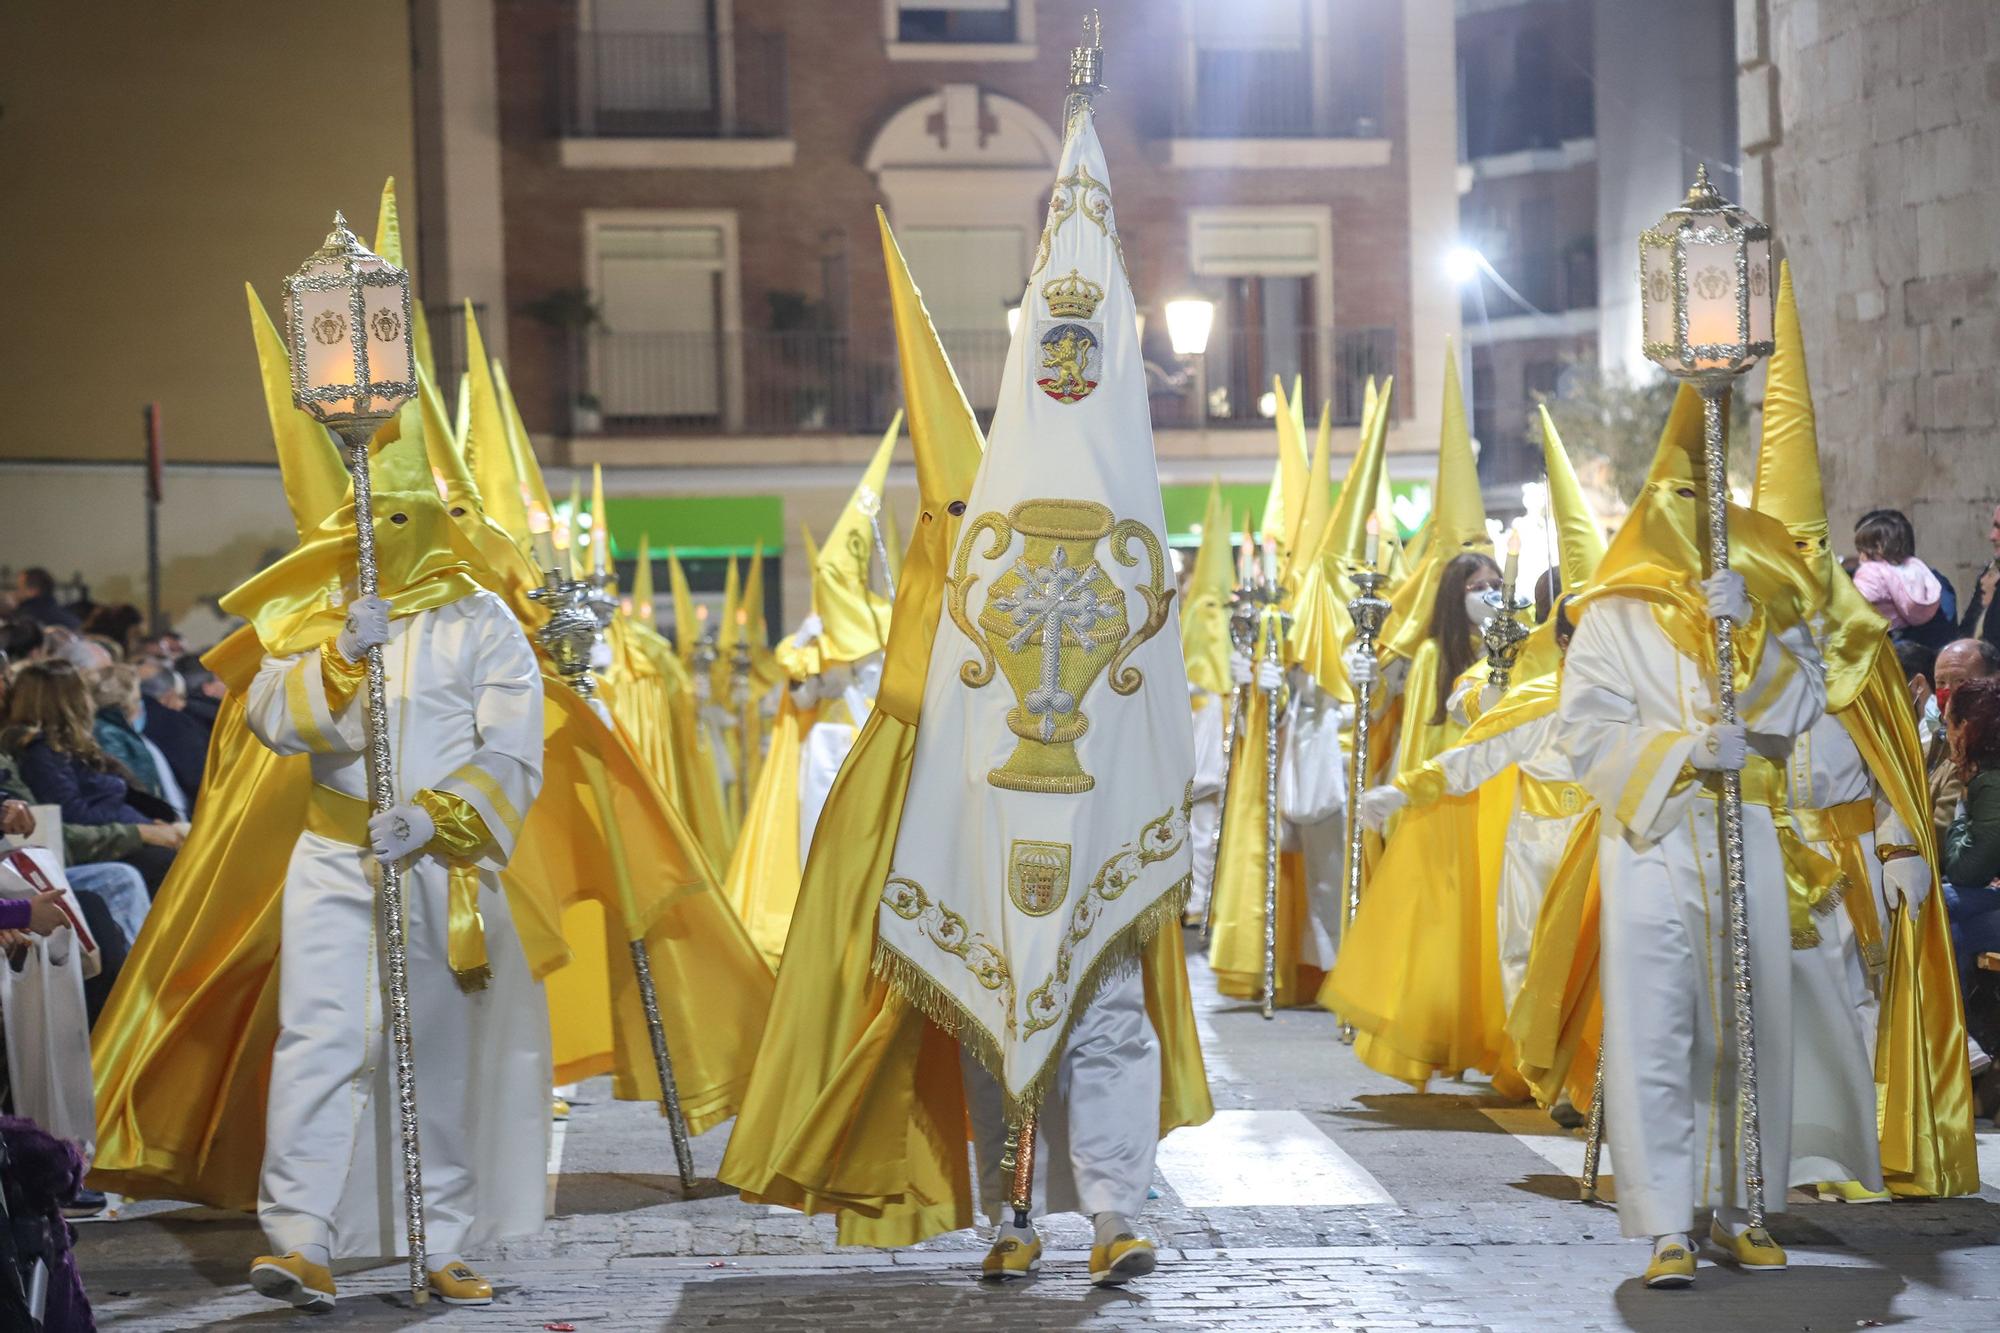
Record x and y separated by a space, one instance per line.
1905 594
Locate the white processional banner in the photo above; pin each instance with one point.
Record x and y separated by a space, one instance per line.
1045 834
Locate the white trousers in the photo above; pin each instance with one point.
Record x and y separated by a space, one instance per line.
1528 862
332 1170
1201 834
1100 1125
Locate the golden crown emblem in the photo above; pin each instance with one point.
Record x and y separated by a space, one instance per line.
1073 297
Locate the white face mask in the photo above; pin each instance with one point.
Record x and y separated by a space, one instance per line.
1479 610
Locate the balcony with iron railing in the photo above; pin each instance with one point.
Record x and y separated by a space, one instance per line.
757 383
1314 90
646 85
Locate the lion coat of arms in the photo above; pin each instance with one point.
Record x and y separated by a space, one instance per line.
1069 343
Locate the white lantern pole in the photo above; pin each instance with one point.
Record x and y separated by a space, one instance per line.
1706 294
347 312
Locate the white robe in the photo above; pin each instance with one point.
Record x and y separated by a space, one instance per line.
824 750
1827 770
1098 1129
1631 705
1535 843
465 712
1312 804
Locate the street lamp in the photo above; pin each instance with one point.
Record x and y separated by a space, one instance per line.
1705 295
1462 263
1013 320
347 316
1189 321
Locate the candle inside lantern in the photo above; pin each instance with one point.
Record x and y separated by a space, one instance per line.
539 536
1513 568
1374 539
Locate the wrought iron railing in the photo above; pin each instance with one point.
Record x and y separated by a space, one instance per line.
612 85
766 383
1294 91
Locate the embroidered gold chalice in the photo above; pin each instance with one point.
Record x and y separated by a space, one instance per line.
1054 622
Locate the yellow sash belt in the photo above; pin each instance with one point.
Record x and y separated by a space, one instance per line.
341 818
1814 883
1842 827
1552 800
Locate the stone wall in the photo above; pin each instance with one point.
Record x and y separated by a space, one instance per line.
1871 138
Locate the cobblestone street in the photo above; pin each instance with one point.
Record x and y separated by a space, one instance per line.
1322 1196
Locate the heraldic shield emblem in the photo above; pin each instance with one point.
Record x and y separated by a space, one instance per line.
1071 344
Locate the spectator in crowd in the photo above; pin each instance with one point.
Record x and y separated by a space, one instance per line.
166 646
94 854
1961 661
115 623
1919 671
1971 848
1980 620
181 736
35 596
21 639
1907 593
203 687
111 896
48 730
121 732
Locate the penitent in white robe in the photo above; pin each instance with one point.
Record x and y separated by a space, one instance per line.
825 747
1631 706
1535 842
1312 805
465 714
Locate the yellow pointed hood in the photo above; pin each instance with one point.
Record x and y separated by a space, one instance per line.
1458 511
1788 488
686 631
389 245
1205 604
503 566
1579 541
1318 506
945 438
600 524
535 490
642 580
488 453
727 633
1346 538
315 478
1285 503
1457 524
854 619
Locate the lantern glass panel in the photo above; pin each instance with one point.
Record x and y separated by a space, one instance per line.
1762 289
1656 288
388 341
324 319
1714 316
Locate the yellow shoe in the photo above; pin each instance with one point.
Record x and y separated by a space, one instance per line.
1850 1191
1122 1260
1012 1257
457 1284
1754 1250
561 1110
1671 1268
293 1279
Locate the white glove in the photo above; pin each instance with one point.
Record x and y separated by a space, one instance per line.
600 656
399 831
806 693
1379 805
1720 747
1362 668
1270 676
1908 879
367 627
1728 596
1489 694
809 629
1240 671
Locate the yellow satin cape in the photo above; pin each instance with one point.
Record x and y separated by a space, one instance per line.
1923 1085
763 880
1236 906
